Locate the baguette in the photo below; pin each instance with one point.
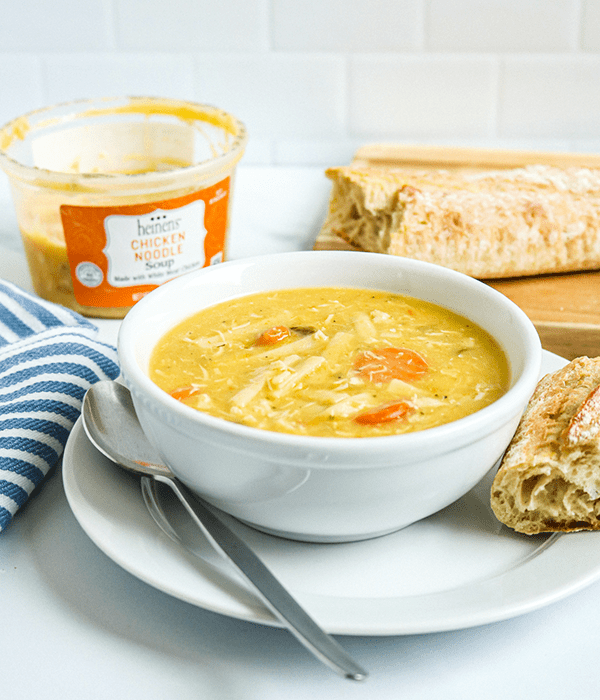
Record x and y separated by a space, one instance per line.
507 223
549 478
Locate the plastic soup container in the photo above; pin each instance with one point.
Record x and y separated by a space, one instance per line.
116 196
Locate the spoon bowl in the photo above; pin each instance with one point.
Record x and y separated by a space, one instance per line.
111 424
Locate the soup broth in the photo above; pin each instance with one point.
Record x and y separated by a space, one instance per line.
331 362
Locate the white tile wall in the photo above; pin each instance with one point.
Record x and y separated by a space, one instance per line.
503 26
347 25
33 26
590 26
69 76
314 79
550 95
192 25
387 96
277 95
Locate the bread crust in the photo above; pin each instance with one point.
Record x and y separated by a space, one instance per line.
508 223
549 478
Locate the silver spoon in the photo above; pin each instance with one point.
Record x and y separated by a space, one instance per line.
112 425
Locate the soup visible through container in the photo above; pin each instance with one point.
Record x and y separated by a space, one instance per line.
331 362
115 197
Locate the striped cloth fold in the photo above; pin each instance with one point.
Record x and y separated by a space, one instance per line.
49 357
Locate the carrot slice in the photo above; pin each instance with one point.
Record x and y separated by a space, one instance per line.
385 364
184 392
273 335
384 414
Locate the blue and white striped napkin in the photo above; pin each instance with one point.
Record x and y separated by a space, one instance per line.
49 356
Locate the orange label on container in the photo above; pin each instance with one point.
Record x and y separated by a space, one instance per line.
119 254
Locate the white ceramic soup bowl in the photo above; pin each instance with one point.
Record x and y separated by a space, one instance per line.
327 489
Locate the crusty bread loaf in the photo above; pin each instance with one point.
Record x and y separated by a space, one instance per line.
507 223
549 478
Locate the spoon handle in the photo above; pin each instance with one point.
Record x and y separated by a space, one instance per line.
264 583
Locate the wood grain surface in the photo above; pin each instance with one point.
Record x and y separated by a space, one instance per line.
564 308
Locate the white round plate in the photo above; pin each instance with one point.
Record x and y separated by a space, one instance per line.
458 568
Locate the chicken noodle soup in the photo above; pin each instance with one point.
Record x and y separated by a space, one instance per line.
333 362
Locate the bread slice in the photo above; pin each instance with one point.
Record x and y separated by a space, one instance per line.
549 478
507 223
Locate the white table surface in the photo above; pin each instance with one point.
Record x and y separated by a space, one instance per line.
75 626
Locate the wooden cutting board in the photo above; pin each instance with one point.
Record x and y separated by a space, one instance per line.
564 308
